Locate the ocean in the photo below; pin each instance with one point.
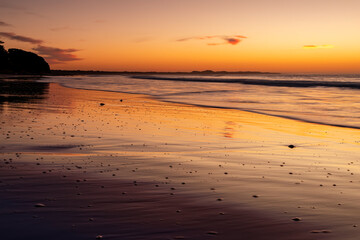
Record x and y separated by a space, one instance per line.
324 99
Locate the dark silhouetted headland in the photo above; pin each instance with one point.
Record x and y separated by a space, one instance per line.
17 61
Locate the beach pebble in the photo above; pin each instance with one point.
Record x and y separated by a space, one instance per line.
255 196
296 219
39 205
102 104
219 199
291 146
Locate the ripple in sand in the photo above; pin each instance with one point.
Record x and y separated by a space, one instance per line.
321 231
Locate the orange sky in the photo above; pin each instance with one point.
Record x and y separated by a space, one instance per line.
305 36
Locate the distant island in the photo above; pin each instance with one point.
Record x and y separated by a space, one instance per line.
17 61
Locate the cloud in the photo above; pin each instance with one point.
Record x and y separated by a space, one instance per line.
4 24
317 46
232 40
52 54
20 38
57 55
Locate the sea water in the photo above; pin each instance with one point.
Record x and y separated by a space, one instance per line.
324 99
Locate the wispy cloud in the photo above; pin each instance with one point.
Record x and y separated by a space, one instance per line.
20 38
4 24
52 54
232 40
57 55
317 46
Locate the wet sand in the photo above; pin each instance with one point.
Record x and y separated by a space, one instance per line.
125 166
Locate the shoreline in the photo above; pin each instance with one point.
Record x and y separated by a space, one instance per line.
148 140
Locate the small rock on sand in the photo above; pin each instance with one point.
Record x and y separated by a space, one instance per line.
39 205
212 233
296 219
291 146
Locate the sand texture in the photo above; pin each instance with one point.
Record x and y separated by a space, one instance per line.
81 164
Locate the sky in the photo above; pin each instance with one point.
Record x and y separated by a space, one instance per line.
290 36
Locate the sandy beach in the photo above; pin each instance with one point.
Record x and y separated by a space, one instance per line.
85 164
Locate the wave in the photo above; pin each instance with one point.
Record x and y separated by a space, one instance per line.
264 82
269 114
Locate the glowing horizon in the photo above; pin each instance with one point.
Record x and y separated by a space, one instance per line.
158 35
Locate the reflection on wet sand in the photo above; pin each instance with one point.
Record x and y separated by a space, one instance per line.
21 90
144 169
